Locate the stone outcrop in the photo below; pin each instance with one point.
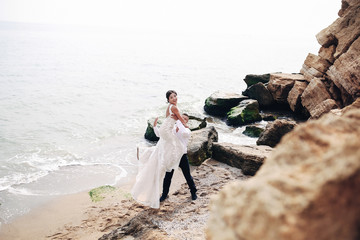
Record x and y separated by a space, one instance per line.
280 85
308 188
149 132
268 116
247 158
338 59
294 98
274 131
246 112
252 79
259 92
337 66
195 123
219 103
253 131
315 98
345 71
314 66
200 145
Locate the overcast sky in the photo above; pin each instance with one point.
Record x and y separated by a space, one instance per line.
214 16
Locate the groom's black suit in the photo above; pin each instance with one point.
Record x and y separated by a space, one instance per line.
184 165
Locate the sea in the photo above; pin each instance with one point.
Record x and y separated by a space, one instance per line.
75 100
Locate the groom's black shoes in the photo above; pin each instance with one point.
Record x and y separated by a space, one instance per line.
193 195
162 198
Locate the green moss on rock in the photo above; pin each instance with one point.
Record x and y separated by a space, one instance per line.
96 194
246 112
252 131
149 133
199 158
252 79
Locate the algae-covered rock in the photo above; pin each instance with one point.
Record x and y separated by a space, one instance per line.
260 93
252 131
246 112
195 123
219 103
200 145
268 116
97 194
149 133
252 79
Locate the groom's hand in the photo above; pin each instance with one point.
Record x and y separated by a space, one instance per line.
173 116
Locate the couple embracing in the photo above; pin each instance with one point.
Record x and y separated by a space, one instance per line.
157 164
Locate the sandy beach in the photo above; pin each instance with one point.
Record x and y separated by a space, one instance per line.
78 217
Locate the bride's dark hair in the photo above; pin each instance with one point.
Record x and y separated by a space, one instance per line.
168 93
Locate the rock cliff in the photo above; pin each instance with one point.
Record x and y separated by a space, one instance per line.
337 66
328 80
308 188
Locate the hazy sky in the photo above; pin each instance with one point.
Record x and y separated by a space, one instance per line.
216 16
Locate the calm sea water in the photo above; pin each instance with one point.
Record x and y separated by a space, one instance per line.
74 101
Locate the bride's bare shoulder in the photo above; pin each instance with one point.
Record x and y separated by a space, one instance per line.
174 107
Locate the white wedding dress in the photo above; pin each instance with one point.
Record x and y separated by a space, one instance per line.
154 162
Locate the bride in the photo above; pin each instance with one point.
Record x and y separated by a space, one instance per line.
155 161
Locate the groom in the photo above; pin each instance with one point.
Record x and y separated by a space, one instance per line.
184 135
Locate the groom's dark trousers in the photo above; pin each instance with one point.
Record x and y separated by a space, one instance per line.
184 165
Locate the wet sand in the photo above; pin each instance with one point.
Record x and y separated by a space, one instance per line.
78 217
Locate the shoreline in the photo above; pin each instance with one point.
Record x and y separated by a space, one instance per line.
45 221
42 222
75 216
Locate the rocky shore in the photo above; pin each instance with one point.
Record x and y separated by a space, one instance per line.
307 186
301 181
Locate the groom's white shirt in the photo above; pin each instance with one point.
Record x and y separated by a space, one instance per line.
183 134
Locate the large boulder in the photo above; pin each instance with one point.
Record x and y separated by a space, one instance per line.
253 131
200 145
219 103
323 107
344 31
340 45
246 112
314 66
327 53
247 158
313 97
195 123
149 132
354 105
274 131
259 92
280 85
308 188
345 72
294 98
252 79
